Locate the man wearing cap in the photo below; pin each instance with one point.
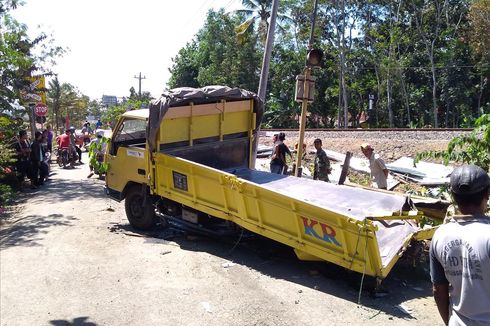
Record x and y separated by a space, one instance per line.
460 252
379 172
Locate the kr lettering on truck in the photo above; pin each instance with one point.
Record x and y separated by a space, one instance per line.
320 231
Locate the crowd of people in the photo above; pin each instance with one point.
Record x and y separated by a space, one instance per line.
33 157
321 166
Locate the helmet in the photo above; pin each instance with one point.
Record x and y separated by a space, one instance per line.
72 128
99 133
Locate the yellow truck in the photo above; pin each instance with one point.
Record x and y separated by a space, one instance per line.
189 160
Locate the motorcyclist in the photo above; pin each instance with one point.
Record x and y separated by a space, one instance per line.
64 143
87 129
73 143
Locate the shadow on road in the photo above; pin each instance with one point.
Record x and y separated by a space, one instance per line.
28 230
279 261
79 321
65 189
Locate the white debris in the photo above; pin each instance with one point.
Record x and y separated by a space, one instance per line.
206 306
228 264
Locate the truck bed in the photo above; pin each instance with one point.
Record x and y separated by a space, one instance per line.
347 201
359 229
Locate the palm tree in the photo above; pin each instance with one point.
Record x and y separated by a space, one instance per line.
256 11
54 93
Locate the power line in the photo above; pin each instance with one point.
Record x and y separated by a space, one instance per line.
429 67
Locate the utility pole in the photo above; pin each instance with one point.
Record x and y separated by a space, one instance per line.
264 74
139 83
313 58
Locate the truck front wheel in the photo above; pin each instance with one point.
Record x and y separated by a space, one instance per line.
139 216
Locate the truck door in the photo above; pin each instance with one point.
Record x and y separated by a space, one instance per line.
126 154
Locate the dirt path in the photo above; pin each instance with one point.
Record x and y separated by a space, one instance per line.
68 257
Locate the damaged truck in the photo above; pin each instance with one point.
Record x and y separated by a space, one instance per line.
189 160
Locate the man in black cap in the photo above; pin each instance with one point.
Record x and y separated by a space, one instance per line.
460 252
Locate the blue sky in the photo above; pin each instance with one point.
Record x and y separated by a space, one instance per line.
111 41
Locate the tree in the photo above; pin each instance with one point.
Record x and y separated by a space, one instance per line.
216 57
54 94
256 12
479 41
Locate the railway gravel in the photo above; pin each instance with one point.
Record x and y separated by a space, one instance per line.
391 145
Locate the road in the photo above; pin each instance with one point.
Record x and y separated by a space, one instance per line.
69 257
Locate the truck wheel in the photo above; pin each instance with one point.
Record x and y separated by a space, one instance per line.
139 216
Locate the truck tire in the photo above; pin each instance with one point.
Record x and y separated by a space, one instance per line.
139 216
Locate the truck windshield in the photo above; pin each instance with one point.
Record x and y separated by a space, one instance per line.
131 129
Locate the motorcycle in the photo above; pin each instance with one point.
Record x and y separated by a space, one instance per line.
66 157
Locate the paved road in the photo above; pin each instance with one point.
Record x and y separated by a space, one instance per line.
68 257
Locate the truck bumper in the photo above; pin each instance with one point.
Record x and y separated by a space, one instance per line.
113 194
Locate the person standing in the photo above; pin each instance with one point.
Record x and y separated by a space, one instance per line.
73 142
97 151
322 163
23 149
37 159
50 138
278 159
460 252
379 172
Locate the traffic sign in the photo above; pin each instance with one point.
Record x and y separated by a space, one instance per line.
40 109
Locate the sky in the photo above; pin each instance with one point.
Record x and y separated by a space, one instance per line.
109 42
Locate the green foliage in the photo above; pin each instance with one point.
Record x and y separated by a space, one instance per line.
421 61
7 156
217 57
93 149
472 149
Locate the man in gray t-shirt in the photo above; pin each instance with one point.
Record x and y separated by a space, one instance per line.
460 252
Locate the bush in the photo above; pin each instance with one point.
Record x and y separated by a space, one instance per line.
471 149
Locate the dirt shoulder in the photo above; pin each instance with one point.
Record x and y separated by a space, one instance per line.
69 257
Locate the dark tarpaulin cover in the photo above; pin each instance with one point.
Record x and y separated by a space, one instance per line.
185 95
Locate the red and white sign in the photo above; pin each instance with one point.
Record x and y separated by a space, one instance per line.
40 109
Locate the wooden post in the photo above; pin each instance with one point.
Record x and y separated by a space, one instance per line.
345 168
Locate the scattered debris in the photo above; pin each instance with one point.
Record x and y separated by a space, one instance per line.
296 301
110 209
404 308
165 252
228 264
425 173
377 313
300 291
206 306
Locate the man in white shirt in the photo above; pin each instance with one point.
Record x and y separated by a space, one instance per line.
460 252
379 172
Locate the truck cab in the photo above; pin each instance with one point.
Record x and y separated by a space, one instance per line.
126 154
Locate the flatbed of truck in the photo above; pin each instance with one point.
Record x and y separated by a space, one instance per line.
348 201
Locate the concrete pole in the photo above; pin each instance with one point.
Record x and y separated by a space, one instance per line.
264 74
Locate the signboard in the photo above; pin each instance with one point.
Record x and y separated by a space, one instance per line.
40 109
35 92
